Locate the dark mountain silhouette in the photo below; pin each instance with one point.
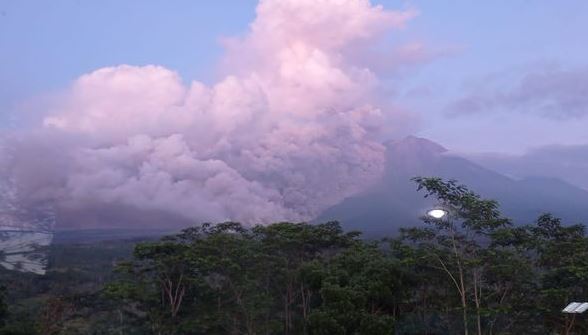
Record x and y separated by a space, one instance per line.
394 201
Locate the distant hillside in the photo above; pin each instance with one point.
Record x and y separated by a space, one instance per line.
394 202
76 236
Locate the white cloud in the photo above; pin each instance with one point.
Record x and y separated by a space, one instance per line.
290 131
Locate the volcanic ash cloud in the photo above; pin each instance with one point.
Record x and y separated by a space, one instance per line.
289 131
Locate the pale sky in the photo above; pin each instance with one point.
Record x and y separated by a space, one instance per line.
481 51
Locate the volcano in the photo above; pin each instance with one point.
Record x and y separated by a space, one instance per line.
394 202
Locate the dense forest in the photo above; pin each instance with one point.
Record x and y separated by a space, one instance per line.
470 272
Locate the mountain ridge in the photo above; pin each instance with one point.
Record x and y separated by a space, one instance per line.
394 202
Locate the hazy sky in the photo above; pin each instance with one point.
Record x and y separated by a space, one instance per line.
277 110
478 48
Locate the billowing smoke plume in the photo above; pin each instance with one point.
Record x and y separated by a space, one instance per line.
289 131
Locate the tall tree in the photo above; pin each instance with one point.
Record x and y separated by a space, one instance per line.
454 244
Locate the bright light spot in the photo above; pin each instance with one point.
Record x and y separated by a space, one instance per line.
437 213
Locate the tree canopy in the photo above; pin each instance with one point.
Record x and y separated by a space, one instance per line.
471 272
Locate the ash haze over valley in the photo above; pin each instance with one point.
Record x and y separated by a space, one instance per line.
285 167
289 110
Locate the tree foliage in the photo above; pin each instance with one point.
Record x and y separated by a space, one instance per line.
470 272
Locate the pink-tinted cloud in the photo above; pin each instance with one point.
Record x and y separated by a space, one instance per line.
291 129
559 94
